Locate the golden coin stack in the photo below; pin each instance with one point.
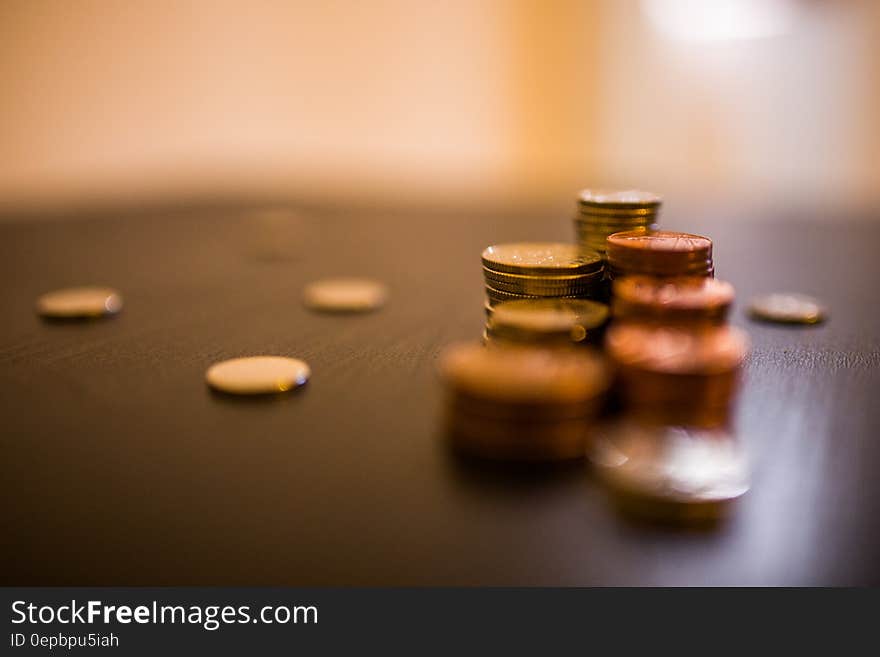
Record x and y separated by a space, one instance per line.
660 253
547 322
603 213
522 403
536 270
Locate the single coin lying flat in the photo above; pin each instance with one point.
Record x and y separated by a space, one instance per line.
257 375
79 302
785 308
345 295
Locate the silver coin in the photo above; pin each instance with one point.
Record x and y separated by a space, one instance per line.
257 375
661 470
345 295
76 302
787 308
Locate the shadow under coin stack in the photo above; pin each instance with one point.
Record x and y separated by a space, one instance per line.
547 322
661 254
540 270
522 403
603 213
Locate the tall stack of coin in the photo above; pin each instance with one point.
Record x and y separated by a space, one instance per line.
603 213
522 403
535 270
661 254
676 375
689 300
547 322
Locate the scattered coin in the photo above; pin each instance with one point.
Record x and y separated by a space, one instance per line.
670 473
79 302
257 375
785 308
345 295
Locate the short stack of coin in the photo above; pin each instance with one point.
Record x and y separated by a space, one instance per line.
535 270
603 213
661 254
522 403
547 322
676 375
685 301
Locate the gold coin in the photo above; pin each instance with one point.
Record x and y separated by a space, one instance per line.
345 295
555 258
670 473
623 198
257 375
79 302
572 320
786 308
524 375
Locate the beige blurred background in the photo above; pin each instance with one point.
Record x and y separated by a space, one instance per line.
458 103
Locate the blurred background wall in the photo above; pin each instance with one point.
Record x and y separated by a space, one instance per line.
459 103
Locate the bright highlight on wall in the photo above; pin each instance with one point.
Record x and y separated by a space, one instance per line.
720 20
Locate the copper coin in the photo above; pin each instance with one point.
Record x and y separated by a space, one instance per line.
672 299
676 350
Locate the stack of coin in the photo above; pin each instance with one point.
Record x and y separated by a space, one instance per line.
677 376
603 213
547 322
670 473
688 300
658 253
534 270
522 403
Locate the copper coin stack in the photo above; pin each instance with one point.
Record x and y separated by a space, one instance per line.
547 322
687 300
678 375
601 213
522 403
661 254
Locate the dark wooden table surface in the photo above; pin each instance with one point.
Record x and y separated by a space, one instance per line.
120 467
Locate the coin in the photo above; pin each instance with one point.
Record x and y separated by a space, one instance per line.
787 308
627 198
79 302
670 473
565 320
555 258
523 375
256 375
677 350
677 299
345 295
659 253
